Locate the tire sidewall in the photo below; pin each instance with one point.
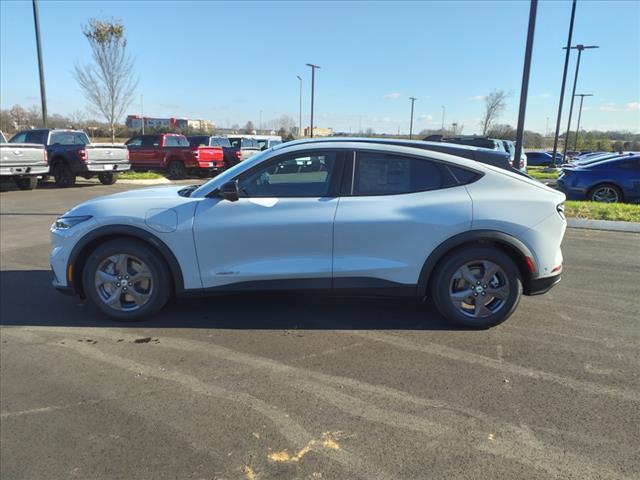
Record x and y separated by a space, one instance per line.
452 262
63 176
160 277
176 170
108 178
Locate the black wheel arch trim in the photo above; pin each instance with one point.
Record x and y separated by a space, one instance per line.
476 236
108 232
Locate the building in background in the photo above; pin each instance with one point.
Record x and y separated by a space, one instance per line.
134 122
318 132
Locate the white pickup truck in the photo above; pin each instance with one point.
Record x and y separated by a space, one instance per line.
71 154
24 162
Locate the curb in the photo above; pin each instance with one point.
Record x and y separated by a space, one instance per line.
603 225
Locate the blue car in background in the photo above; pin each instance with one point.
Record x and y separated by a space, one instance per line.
612 180
540 159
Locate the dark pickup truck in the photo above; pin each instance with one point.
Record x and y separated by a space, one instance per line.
71 155
172 153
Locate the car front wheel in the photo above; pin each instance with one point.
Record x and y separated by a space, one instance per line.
126 279
476 287
108 178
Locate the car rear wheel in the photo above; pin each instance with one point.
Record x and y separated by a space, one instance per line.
477 287
126 279
177 171
63 175
108 178
27 183
606 193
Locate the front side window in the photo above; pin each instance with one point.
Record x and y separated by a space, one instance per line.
134 142
385 174
175 141
300 175
19 138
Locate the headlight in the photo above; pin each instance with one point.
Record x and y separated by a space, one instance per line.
65 223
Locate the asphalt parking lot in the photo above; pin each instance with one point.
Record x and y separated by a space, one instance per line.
279 387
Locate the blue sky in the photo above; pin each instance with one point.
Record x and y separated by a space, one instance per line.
228 61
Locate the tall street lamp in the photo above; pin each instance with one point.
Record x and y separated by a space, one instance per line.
580 48
300 120
581 95
443 110
564 81
43 95
413 99
313 84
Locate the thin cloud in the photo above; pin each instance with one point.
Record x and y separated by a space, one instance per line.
392 96
633 106
478 98
611 107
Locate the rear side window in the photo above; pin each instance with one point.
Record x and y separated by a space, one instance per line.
462 176
150 142
19 138
387 174
198 141
175 141
36 137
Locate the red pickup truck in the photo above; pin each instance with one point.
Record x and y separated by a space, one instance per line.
172 153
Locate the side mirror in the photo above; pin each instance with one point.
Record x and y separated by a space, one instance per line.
229 191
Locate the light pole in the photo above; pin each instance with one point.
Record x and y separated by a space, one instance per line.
580 48
413 99
300 120
43 95
524 90
313 85
564 81
443 110
581 95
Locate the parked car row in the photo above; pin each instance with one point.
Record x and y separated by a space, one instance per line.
63 154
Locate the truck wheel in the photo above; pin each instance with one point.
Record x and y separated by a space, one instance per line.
63 175
108 178
27 183
43 180
177 171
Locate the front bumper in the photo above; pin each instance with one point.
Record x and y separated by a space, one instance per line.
108 167
24 170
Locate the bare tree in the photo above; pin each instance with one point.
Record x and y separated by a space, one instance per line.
108 84
249 128
19 116
495 104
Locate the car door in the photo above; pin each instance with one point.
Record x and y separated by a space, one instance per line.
146 153
278 234
395 210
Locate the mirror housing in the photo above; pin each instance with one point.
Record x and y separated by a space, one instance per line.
229 191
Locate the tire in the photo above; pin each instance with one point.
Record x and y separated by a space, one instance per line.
63 175
108 178
43 180
176 170
152 290
27 183
451 283
606 193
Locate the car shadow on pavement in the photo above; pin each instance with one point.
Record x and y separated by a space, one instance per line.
28 299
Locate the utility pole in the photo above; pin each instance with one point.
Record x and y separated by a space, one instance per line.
413 99
580 48
300 120
43 95
524 90
443 110
564 81
313 85
581 95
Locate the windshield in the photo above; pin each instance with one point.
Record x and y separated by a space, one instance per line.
230 173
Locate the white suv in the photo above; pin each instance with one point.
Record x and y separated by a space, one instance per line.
354 217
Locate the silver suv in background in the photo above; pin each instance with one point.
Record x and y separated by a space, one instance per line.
510 147
23 162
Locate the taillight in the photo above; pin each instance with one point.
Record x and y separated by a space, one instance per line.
82 153
196 153
46 156
238 153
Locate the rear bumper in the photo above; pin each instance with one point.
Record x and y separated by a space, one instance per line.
24 170
539 286
107 167
213 166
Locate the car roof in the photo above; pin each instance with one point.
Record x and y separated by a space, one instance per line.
387 141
